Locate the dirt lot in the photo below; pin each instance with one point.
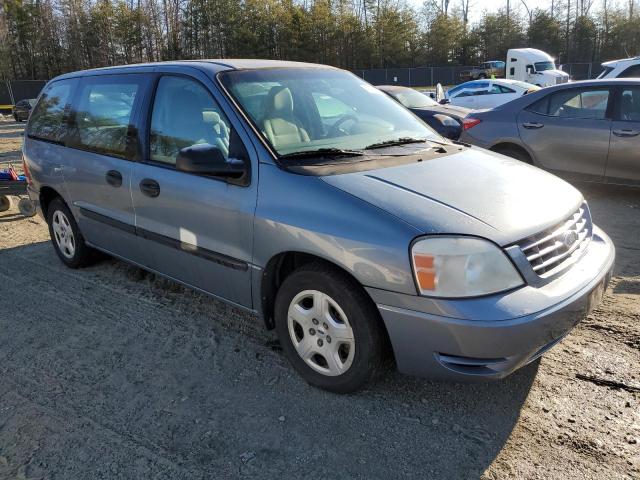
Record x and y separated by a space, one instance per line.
111 372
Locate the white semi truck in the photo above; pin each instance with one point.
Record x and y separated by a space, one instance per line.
534 66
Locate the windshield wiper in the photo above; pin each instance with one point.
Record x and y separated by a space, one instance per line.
395 142
324 152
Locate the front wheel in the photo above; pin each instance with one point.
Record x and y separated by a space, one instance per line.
329 329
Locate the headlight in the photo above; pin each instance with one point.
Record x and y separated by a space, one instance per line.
461 267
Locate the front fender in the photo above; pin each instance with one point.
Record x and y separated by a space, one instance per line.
298 213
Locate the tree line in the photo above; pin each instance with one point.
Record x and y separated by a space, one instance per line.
43 38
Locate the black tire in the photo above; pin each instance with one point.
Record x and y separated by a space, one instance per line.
515 152
363 319
482 76
82 254
26 207
5 203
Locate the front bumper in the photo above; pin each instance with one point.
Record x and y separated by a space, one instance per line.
493 336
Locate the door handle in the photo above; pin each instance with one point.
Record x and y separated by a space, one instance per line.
532 125
626 133
114 178
150 187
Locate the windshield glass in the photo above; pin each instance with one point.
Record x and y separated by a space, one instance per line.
412 99
310 109
542 66
520 84
605 72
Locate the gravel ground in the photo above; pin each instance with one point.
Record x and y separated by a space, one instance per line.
111 372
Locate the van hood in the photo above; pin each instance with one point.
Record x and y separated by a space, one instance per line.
472 192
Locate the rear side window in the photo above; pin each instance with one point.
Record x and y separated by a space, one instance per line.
587 104
102 120
632 72
48 120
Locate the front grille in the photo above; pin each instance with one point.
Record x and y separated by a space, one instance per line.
552 248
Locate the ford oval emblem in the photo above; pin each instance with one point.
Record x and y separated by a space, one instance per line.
569 238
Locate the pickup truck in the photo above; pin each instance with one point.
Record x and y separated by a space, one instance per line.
495 68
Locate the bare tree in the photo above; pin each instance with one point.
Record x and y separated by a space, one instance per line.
465 6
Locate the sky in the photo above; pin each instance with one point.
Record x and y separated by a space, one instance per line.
478 6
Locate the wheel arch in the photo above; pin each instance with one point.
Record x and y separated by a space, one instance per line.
46 196
278 268
506 145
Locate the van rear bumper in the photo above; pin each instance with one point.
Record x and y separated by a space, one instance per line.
436 346
34 196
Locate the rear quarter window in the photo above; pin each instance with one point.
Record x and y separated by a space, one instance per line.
48 120
541 106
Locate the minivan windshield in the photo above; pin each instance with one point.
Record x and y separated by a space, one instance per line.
331 112
542 66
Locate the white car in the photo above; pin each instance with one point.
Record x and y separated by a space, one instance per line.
487 93
625 68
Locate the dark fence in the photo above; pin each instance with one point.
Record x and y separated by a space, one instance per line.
413 77
430 76
12 91
582 71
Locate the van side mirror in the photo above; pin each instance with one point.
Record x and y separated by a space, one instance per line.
530 69
206 159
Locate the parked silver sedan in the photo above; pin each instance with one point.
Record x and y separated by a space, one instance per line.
583 130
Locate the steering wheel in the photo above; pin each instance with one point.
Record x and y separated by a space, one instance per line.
335 128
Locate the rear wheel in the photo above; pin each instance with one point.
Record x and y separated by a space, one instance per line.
66 237
329 329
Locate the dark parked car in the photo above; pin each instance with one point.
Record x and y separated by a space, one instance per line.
22 109
582 130
447 120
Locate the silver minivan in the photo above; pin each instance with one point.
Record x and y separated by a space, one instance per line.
303 194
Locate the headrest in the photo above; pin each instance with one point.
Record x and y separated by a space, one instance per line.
211 117
279 101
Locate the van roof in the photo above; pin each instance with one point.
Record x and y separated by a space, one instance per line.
620 60
210 65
